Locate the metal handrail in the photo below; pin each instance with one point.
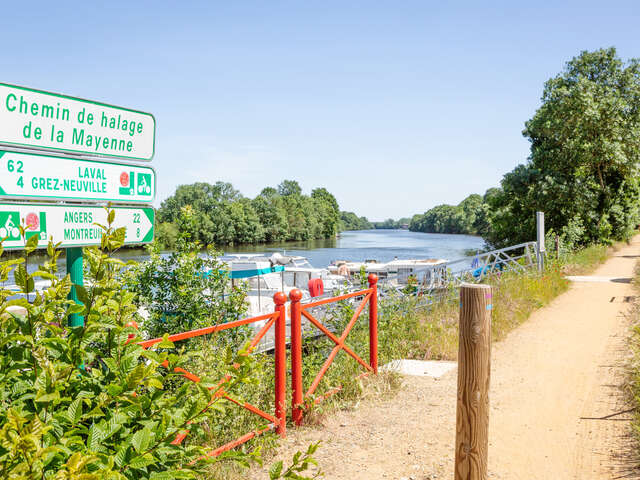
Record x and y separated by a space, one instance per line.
452 273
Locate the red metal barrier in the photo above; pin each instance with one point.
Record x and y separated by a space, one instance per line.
277 319
299 310
279 420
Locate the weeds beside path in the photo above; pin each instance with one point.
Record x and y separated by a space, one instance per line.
555 379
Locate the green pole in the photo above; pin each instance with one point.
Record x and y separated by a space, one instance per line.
75 271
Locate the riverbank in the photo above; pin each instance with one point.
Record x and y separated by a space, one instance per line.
546 375
410 330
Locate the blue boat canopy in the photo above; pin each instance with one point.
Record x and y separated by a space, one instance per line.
255 272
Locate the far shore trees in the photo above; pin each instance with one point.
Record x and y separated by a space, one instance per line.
350 221
471 216
222 216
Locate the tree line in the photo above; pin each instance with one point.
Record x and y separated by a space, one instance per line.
582 170
390 223
350 221
471 217
220 215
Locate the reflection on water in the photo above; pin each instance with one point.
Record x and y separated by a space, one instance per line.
381 245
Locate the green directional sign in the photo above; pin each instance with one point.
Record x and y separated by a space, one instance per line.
73 225
29 176
60 123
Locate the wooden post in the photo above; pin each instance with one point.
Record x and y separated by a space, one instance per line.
557 247
474 368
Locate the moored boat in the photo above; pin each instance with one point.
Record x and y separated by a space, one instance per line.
396 271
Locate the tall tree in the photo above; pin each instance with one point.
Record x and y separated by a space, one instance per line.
272 214
289 187
585 152
329 211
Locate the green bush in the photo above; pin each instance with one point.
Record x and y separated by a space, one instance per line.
166 235
87 402
185 289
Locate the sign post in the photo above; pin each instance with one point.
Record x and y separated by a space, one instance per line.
75 269
79 135
540 240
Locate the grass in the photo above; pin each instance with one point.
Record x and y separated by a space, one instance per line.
633 379
407 329
587 259
431 333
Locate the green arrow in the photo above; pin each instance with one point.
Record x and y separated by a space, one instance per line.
150 213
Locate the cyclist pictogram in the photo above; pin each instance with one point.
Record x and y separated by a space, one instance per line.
9 222
144 184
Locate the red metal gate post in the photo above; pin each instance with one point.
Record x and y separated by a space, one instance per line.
296 357
280 299
373 322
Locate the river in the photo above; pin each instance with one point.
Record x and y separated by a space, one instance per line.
381 245
360 245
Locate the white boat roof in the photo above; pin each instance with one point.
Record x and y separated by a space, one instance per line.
416 262
375 266
370 266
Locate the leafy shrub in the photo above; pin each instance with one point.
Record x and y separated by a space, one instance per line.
87 402
167 234
185 290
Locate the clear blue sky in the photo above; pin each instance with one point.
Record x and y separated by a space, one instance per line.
393 106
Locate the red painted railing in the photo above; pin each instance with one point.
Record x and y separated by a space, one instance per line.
277 421
299 310
277 320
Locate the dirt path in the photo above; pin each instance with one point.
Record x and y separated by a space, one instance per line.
556 405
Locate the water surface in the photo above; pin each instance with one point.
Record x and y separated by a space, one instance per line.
360 245
380 245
